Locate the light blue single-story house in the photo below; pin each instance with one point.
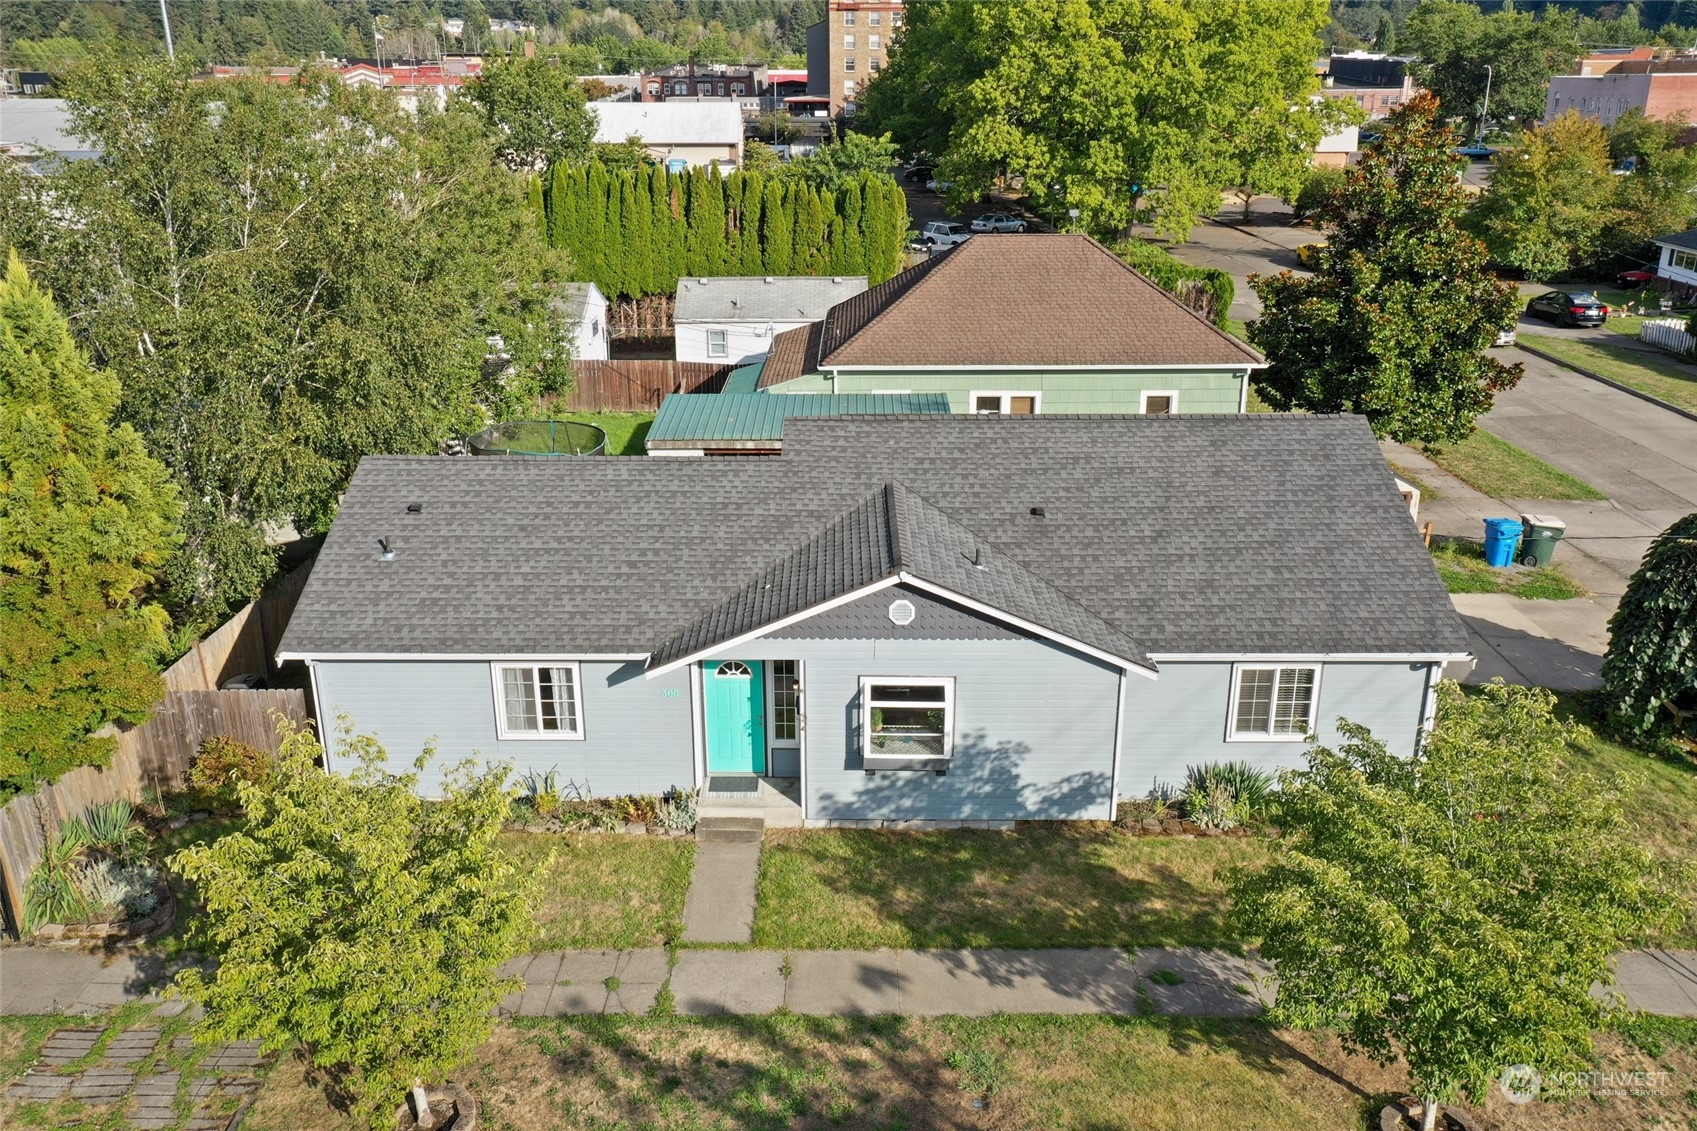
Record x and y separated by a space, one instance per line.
923 618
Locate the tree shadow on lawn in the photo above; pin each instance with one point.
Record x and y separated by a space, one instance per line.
1046 884
763 1073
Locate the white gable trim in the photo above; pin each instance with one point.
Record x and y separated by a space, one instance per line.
515 657
928 587
1310 657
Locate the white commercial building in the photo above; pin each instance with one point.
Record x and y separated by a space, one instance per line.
679 135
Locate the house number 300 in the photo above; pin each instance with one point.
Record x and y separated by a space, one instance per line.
669 693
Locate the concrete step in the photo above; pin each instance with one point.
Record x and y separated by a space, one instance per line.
730 830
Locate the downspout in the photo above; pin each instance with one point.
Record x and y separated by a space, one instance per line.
696 737
1243 392
801 735
1428 708
1119 731
318 712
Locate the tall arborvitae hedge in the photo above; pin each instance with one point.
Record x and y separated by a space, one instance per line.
635 232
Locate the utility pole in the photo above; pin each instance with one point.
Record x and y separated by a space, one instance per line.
1486 111
165 15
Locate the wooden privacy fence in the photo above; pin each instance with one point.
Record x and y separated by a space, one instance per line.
639 385
155 754
244 643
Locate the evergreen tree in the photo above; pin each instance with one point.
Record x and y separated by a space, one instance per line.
614 279
665 231
1360 334
753 196
639 233
733 188
538 209
1650 673
560 203
812 252
851 252
86 519
589 254
776 228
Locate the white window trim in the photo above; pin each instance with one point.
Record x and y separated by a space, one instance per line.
1237 684
1036 400
723 348
773 742
947 683
501 731
1143 400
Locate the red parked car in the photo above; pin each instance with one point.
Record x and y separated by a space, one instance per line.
1635 278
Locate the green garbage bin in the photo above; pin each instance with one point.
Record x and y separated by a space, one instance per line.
1538 542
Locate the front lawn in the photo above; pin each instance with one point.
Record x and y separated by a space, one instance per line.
626 431
1662 805
606 891
1646 369
1497 468
1005 1073
1042 886
1461 564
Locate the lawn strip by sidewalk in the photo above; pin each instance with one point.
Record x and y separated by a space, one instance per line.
1497 468
1652 372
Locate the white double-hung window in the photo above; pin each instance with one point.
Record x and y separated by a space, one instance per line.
907 721
538 701
1273 702
718 345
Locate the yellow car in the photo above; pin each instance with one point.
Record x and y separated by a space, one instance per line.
1309 255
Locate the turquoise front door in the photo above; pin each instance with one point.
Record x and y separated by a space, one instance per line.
736 716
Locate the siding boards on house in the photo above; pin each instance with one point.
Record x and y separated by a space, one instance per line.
638 737
1034 729
1063 391
1180 719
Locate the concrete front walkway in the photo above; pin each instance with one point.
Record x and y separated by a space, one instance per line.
719 907
1180 981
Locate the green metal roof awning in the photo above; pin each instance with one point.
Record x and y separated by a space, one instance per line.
744 380
694 420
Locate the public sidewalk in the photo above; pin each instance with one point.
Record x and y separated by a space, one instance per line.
1196 982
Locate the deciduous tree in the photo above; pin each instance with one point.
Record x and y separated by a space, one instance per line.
1453 908
1395 323
1549 198
86 521
285 278
538 110
1650 672
352 917
1100 105
1453 42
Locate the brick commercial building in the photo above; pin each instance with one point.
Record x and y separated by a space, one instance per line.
1376 83
1661 88
848 48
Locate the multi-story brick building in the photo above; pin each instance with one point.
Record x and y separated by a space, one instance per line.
848 48
1661 88
1376 83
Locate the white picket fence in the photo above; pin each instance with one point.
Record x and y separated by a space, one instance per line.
1668 334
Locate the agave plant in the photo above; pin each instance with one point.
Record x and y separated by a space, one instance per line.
1247 784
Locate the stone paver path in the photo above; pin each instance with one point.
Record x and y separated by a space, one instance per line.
149 1095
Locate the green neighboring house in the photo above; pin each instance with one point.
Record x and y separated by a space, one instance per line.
1020 325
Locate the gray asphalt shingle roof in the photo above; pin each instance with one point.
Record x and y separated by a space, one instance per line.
895 531
1684 240
1234 534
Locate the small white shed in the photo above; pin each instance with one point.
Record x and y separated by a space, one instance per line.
586 306
731 320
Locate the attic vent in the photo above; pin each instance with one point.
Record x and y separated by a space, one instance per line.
415 508
901 612
836 278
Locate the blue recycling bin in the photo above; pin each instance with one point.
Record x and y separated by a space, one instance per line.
1502 536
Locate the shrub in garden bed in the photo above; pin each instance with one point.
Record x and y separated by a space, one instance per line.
94 871
545 805
1219 798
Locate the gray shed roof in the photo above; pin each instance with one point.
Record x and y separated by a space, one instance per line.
1684 240
773 298
1187 534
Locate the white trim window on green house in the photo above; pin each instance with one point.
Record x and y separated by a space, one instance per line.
932 618
1034 323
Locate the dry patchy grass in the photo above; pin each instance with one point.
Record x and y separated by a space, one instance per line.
995 1074
606 891
1078 884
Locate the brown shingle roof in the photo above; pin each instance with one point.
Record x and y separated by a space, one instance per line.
1042 300
793 354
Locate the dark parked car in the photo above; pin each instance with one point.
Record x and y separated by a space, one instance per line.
919 174
1569 308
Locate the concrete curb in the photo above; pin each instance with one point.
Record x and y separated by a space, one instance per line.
1613 384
